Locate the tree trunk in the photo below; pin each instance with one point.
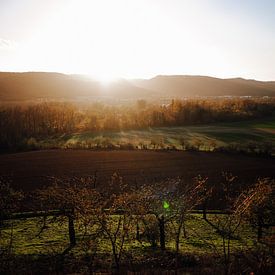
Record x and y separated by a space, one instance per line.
260 228
116 256
71 230
161 232
178 234
204 213
138 233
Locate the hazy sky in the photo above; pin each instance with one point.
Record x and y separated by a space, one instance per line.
142 38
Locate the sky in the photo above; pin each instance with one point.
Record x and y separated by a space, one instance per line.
139 38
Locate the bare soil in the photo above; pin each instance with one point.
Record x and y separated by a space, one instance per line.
31 170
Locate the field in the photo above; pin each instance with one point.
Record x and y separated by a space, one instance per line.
27 239
32 170
137 137
201 240
219 134
88 154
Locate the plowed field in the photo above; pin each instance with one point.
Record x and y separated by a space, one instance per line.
32 170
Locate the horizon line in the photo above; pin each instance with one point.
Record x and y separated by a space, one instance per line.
141 78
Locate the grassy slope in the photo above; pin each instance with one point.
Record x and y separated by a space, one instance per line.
221 134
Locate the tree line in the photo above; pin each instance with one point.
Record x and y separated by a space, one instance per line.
48 119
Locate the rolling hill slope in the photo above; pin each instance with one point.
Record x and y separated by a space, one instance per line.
207 86
42 85
39 85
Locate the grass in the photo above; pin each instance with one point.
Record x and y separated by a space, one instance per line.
26 240
261 130
201 237
200 250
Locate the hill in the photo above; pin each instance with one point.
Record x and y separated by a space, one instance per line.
41 85
57 86
180 86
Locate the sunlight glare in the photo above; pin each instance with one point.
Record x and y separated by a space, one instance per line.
137 39
105 79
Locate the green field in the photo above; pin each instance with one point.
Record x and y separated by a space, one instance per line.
206 136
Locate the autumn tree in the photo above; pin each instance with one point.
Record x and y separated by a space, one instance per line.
75 197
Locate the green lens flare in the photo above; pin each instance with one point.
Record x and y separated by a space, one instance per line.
166 205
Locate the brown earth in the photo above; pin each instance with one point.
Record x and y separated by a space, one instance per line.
31 170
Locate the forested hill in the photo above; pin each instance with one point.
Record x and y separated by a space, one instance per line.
42 85
31 86
178 85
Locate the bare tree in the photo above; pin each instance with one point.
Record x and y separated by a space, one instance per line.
9 203
76 197
115 215
239 207
188 198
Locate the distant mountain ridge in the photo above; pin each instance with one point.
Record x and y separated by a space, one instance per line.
180 85
44 85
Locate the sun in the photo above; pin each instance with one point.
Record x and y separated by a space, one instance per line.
106 79
103 79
